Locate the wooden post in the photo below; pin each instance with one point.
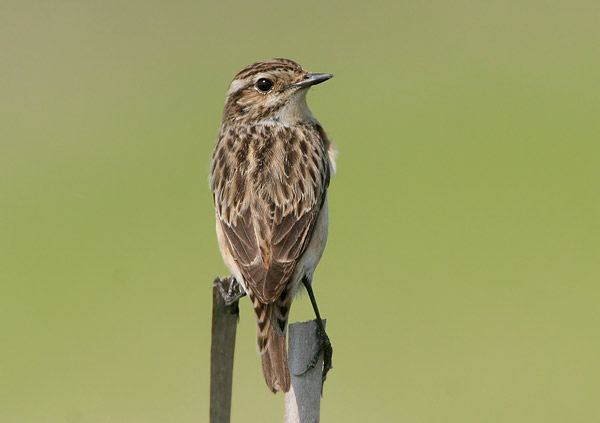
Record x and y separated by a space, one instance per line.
303 401
224 324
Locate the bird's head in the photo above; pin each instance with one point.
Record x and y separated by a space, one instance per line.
271 91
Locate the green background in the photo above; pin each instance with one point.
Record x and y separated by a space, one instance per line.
460 281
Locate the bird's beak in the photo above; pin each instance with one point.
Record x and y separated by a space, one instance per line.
312 79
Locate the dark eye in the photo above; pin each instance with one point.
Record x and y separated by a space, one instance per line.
264 85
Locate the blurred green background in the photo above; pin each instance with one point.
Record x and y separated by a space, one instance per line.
461 277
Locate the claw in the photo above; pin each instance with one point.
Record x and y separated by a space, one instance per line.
325 348
234 291
324 342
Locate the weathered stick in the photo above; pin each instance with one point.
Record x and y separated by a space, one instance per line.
303 401
224 324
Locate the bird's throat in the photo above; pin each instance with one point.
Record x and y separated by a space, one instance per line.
295 110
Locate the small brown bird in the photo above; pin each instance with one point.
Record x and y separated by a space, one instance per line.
270 172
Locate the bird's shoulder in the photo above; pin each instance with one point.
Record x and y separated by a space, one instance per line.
288 167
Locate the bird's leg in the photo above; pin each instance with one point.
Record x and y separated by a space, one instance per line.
324 342
234 291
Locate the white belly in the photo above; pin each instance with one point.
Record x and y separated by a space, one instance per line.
311 257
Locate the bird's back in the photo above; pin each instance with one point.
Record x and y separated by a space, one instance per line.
269 184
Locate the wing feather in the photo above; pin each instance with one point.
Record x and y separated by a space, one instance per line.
269 185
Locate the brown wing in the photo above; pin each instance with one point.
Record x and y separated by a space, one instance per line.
269 184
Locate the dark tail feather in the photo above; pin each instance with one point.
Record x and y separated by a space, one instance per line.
275 362
272 343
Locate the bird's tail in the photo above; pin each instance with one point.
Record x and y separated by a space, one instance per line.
271 322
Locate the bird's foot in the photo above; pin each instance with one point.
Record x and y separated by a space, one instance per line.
324 346
233 292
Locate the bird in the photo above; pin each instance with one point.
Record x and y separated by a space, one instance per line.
270 172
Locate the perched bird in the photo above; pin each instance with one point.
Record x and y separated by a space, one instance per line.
270 172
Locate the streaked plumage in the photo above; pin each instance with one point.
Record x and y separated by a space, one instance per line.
270 171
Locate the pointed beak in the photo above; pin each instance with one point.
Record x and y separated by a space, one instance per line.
312 79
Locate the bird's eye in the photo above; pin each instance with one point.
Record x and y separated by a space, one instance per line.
264 85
